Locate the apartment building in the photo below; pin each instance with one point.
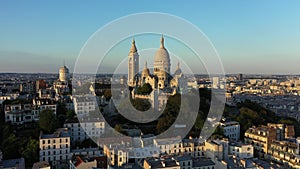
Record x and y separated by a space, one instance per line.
18 113
231 129
261 138
83 105
43 104
55 148
284 151
79 131
117 155
178 162
241 150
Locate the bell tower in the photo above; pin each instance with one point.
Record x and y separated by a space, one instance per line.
133 64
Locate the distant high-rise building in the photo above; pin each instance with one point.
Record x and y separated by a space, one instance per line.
40 84
240 77
27 87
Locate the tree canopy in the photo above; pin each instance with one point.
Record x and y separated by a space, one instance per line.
30 152
252 114
48 122
146 89
107 94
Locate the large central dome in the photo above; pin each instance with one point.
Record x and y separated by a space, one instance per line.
162 55
162 58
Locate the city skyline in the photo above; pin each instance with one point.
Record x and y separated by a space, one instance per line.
251 38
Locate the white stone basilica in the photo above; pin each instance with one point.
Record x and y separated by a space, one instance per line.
161 79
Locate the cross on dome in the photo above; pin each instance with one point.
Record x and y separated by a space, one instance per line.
162 45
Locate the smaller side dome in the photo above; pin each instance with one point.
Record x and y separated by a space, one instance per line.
146 71
178 70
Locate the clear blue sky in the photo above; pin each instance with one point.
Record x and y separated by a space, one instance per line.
257 36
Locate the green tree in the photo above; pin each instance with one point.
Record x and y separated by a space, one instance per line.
61 109
164 123
218 133
199 122
30 152
5 131
10 147
146 89
61 118
71 114
107 94
118 128
141 104
48 121
2 116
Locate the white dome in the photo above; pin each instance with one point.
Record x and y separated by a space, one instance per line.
162 55
162 58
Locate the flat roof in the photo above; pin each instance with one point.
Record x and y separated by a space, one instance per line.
12 162
202 162
59 133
